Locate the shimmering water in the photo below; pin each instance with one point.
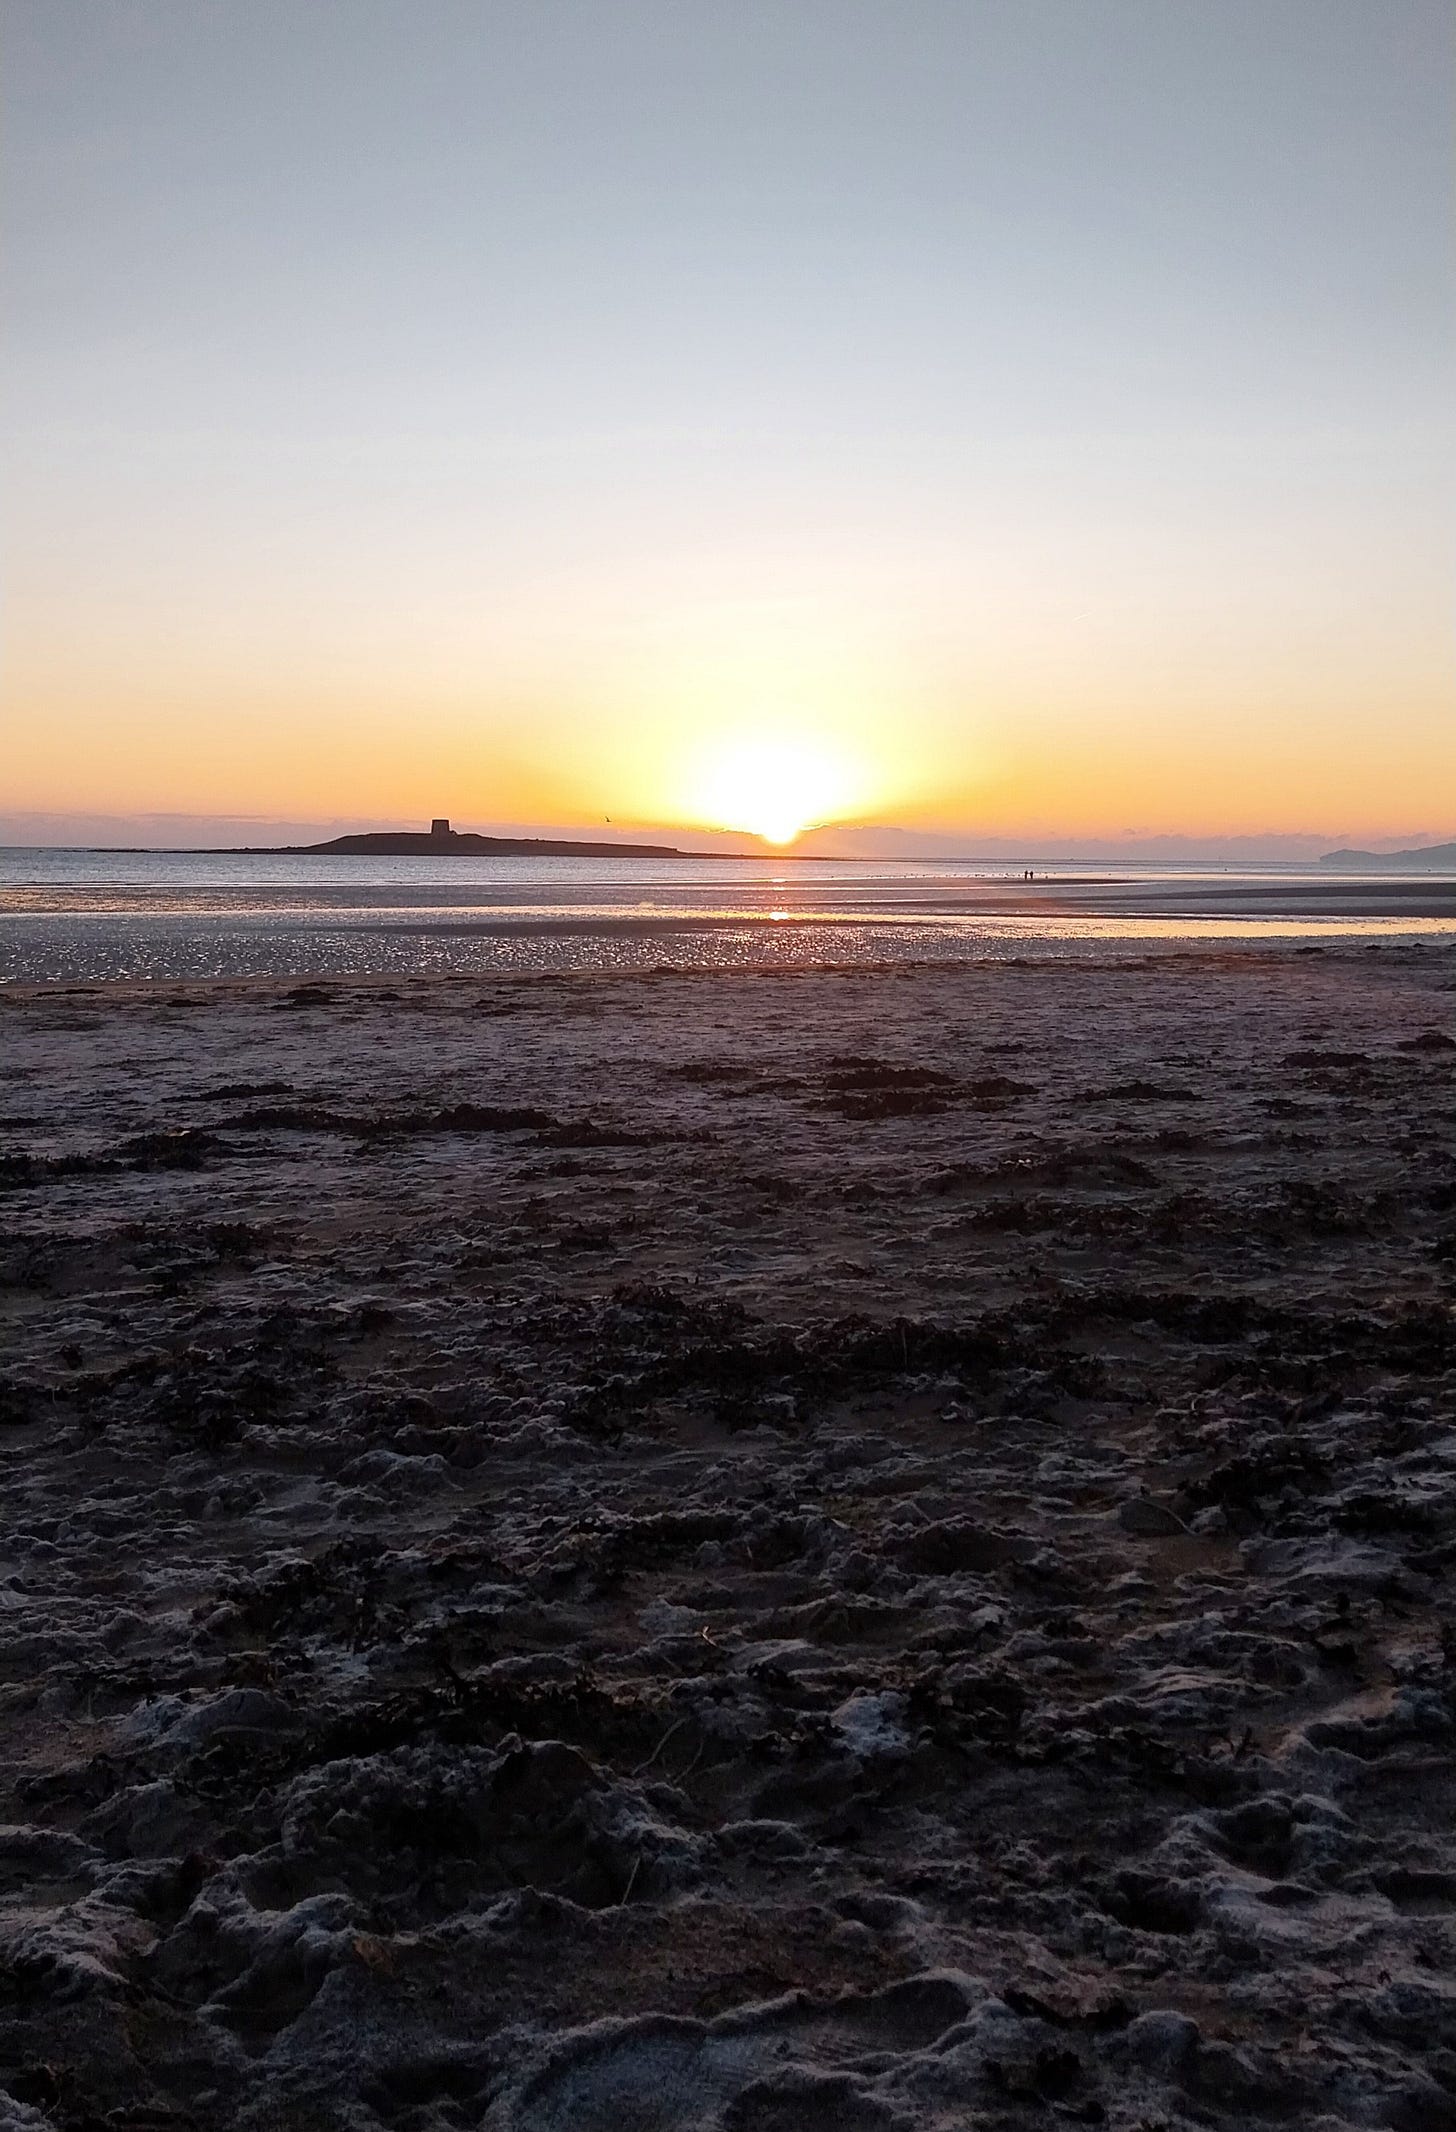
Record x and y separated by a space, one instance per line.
79 916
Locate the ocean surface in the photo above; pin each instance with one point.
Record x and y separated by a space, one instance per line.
82 916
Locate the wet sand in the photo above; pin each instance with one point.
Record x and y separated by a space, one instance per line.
733 1552
1411 898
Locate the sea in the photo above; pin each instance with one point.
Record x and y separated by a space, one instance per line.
71 916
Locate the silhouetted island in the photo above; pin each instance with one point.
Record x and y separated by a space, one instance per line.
440 840
1441 857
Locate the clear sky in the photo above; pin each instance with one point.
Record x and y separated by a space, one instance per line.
1017 416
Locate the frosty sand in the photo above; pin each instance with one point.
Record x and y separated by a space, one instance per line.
618 1551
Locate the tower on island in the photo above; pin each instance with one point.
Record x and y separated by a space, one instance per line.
440 826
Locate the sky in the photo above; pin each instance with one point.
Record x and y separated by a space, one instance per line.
996 418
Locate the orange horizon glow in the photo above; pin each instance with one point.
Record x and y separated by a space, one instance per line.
647 763
1028 423
746 717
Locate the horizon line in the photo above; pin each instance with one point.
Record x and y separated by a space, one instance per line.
85 829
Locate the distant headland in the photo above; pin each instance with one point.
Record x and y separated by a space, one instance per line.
1441 858
441 841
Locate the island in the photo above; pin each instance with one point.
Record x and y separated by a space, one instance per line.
1439 858
441 841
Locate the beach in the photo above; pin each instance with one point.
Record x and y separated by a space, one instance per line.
72 916
734 1549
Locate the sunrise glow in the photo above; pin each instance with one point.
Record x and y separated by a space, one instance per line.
775 788
867 455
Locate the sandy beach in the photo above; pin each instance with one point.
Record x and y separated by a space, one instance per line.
733 1551
85 917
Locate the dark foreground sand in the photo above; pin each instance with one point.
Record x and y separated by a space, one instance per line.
859 1550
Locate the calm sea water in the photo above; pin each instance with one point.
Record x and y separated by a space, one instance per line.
76 916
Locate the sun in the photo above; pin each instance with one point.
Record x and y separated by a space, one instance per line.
774 787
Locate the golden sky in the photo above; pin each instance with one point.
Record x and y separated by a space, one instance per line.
1024 421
